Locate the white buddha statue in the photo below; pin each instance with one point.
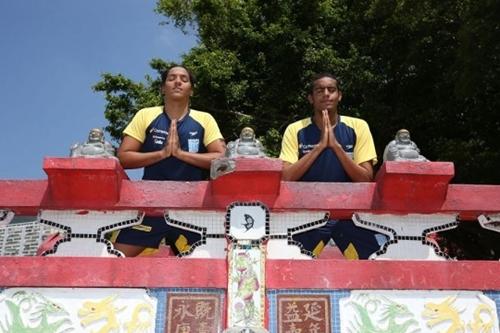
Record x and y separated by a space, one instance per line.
246 145
95 146
403 149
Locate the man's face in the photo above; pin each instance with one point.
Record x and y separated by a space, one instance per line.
177 86
325 94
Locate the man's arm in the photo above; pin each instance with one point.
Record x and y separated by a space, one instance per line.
215 150
131 157
362 172
294 171
357 172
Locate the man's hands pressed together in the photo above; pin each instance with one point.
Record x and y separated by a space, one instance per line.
172 146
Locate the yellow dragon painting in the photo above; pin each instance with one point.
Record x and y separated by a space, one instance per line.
445 312
92 312
106 313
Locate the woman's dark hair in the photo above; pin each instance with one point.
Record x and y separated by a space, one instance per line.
164 75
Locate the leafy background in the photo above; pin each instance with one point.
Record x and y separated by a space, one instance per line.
430 66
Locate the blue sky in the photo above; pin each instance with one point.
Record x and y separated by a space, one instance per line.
51 53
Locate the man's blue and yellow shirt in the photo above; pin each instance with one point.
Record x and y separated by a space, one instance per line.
352 133
196 131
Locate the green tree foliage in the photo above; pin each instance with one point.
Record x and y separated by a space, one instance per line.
430 66
125 97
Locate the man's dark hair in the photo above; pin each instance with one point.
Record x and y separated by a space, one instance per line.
317 76
164 75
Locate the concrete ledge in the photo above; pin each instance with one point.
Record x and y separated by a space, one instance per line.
280 274
413 186
83 182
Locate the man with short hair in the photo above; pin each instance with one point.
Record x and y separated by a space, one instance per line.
329 147
171 142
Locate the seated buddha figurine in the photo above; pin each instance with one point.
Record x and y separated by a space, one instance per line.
246 145
95 146
403 149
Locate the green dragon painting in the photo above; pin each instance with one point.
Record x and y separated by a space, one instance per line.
30 313
392 317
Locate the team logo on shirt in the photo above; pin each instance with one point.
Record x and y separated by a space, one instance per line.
155 130
193 145
193 133
348 151
306 148
158 136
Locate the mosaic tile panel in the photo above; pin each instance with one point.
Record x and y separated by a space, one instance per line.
191 312
304 313
408 234
24 239
208 224
478 315
429 311
126 305
163 294
246 287
85 230
58 310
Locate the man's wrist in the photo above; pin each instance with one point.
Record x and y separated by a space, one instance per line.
337 148
178 153
318 148
163 154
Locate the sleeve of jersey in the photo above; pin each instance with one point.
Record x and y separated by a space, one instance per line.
212 131
365 148
137 127
289 146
